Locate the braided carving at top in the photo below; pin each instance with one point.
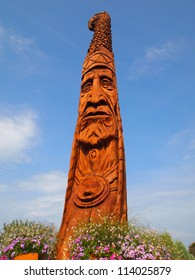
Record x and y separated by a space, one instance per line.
101 25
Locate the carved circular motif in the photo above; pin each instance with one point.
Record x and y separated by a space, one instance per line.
108 121
92 190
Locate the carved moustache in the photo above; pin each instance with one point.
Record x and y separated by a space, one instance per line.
99 109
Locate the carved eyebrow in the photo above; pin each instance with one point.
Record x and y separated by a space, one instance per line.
106 77
85 79
89 80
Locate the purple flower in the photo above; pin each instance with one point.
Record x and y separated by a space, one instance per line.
34 240
106 249
45 246
140 247
150 257
78 240
131 254
80 254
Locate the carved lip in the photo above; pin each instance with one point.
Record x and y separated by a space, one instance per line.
96 113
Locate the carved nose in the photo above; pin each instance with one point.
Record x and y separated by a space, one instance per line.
96 92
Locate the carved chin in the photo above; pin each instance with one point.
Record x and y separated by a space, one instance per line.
94 131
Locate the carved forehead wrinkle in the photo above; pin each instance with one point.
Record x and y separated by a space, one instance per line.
98 71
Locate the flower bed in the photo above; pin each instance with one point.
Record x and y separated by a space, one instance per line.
116 241
21 237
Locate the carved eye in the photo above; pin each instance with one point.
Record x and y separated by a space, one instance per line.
87 86
107 83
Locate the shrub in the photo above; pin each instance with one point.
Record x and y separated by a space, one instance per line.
192 249
27 236
110 240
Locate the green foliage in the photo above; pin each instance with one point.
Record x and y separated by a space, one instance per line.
192 249
110 240
26 237
181 253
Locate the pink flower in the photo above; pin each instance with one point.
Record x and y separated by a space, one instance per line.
113 256
107 249
3 258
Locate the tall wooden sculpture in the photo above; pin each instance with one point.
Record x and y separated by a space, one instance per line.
96 180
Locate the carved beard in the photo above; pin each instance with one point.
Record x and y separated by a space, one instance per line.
95 130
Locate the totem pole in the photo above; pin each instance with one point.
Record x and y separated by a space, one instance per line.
96 181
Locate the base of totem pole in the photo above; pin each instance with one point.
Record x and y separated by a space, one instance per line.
29 256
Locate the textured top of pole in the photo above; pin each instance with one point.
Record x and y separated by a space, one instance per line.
102 38
100 49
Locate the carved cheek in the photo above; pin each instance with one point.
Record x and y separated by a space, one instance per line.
82 104
112 97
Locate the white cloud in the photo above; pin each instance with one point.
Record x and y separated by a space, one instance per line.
183 143
19 131
27 55
175 193
165 199
179 137
47 195
53 181
20 45
3 187
46 207
154 59
179 235
1 35
166 51
41 197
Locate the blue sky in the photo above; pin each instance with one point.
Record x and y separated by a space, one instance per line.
42 48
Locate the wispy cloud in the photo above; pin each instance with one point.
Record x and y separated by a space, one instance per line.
155 59
47 207
60 36
164 205
164 197
49 182
20 45
40 197
23 48
181 234
19 131
1 36
184 142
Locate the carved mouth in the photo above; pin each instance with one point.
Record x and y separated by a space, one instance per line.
99 112
96 114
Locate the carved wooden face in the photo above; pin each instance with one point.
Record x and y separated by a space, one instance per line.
98 94
97 108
